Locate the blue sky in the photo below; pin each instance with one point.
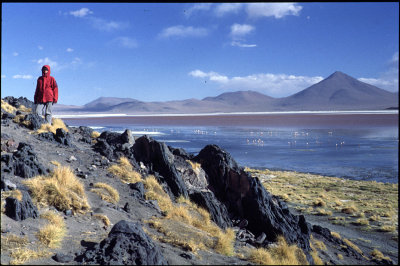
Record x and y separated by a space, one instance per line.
160 52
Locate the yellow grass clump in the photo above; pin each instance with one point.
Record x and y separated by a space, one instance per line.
22 255
20 119
95 134
60 189
7 107
354 246
56 123
106 192
124 171
24 109
281 254
103 218
336 235
376 254
53 233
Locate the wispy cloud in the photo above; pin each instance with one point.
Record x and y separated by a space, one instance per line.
182 31
70 50
239 30
196 8
98 23
275 85
3 76
83 12
253 10
243 45
238 33
277 10
15 54
40 47
226 8
125 42
389 79
22 77
107 25
47 61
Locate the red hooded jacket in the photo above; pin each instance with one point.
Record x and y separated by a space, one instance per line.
46 88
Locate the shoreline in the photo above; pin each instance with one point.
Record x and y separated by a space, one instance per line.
102 115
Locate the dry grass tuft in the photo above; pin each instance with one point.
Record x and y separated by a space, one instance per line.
17 194
124 171
281 254
95 134
354 246
316 258
7 107
195 166
349 210
20 119
361 221
319 202
53 218
22 255
376 254
56 123
103 218
336 235
61 189
51 235
55 163
24 109
387 228
106 192
11 241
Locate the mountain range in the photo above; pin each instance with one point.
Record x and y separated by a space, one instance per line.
337 92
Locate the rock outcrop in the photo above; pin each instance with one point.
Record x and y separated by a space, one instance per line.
20 210
126 244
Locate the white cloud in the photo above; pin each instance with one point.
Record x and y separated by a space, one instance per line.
243 45
81 12
182 31
274 85
3 76
197 7
125 42
15 54
226 8
40 47
47 61
239 30
389 79
22 77
277 10
69 50
107 25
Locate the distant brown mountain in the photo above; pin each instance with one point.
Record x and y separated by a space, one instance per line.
337 92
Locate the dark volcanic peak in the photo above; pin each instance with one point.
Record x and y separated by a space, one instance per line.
340 91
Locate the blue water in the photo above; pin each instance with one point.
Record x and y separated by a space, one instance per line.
365 153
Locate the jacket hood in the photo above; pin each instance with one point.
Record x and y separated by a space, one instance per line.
48 73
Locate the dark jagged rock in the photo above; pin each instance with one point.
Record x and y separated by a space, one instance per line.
126 244
181 153
218 212
158 158
17 102
85 132
63 258
61 137
35 121
113 145
246 197
24 162
138 190
21 210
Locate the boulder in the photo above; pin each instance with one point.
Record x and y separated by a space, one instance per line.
61 137
25 162
245 197
158 158
126 244
21 210
35 120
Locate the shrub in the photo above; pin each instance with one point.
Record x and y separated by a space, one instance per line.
319 202
354 246
56 123
336 235
349 210
106 192
51 235
95 134
61 189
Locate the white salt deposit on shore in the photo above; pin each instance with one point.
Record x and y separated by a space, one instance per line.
233 113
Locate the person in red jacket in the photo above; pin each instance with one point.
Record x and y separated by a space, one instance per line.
46 93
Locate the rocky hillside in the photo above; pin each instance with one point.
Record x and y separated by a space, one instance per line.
73 196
